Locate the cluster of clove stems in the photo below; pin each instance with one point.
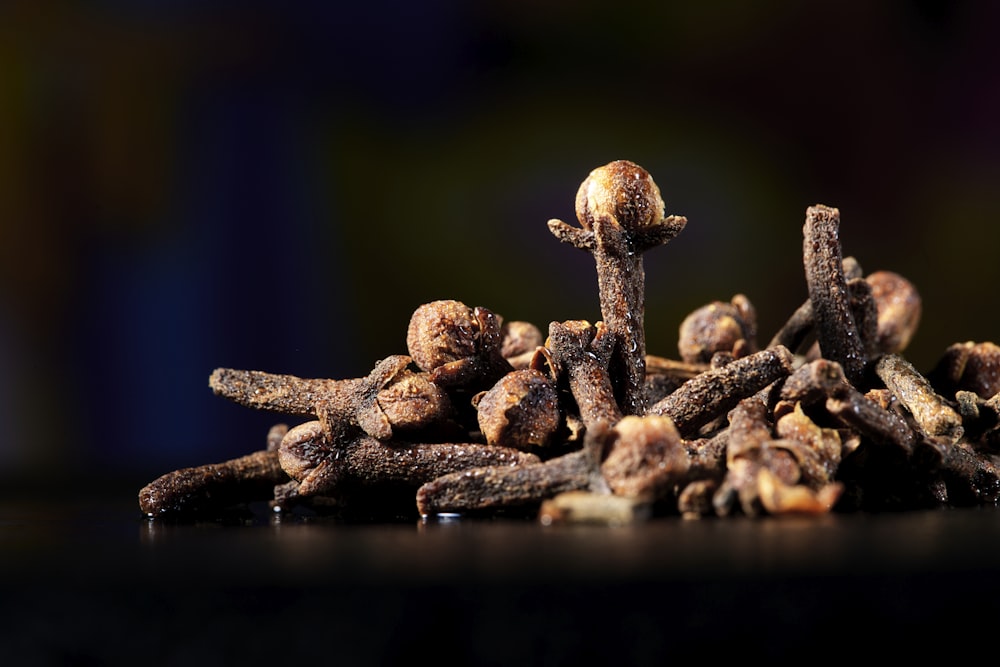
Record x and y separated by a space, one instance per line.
581 423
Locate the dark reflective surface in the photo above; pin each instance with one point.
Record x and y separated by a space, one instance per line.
94 580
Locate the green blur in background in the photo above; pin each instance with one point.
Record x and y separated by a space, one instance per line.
189 185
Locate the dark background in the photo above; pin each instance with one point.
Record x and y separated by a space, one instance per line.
189 185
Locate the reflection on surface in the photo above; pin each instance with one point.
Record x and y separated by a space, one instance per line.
283 546
507 591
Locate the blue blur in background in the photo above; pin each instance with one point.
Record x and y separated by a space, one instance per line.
189 185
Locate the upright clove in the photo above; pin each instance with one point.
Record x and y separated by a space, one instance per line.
836 328
621 215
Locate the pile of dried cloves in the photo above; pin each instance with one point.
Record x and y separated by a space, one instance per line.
487 416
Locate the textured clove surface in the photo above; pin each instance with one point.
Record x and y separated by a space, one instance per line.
596 422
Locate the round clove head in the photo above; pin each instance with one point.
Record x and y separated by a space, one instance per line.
898 303
623 190
718 327
647 457
301 449
519 338
411 401
442 332
459 346
520 411
972 366
308 457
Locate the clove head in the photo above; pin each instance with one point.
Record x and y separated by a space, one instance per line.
646 459
442 332
411 401
519 338
718 327
305 456
623 190
520 411
899 307
459 346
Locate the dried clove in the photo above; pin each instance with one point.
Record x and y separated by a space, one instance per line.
585 507
579 354
818 450
777 475
899 309
647 458
747 453
497 487
389 397
970 366
640 458
882 427
459 346
519 341
213 487
520 411
886 308
932 414
811 383
319 464
970 478
621 215
712 393
836 328
719 327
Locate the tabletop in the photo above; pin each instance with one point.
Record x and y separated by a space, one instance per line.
92 578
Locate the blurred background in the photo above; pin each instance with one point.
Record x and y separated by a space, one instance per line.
189 185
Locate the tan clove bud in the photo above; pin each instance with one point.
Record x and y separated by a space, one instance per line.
519 411
623 190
